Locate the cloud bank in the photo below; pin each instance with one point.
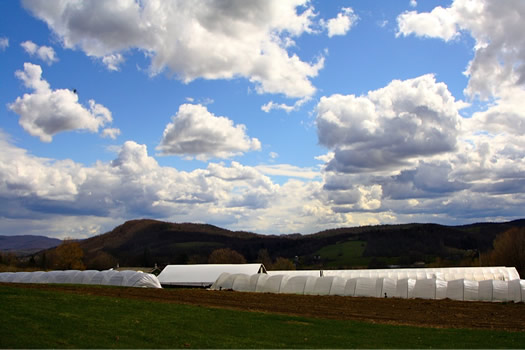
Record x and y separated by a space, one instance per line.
135 185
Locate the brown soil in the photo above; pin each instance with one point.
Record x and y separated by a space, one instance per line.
415 312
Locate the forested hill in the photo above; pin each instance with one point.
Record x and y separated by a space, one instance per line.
146 242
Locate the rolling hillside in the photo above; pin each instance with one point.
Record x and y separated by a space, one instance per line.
146 242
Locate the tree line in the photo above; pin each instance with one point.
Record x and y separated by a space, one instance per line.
508 249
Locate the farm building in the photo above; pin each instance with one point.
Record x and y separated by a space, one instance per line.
106 277
203 275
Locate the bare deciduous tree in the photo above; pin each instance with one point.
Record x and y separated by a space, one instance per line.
509 249
283 264
226 256
68 256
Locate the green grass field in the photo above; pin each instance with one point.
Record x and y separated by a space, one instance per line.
349 253
33 318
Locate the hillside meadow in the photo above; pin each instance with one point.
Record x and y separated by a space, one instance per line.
54 318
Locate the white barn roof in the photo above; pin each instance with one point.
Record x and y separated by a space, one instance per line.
203 275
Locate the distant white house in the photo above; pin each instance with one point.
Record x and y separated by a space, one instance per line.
203 275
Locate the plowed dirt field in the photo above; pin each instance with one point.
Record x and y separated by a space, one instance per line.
414 312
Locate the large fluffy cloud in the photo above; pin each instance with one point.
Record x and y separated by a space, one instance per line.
46 112
389 127
404 150
195 132
489 164
193 39
496 26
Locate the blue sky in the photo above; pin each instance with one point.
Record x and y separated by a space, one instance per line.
268 116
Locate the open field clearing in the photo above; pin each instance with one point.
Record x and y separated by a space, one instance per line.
70 316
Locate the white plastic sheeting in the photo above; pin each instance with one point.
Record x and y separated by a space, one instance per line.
224 281
446 273
298 284
108 277
470 290
502 290
368 287
517 290
315 273
242 284
407 288
455 290
338 286
389 288
203 275
321 286
494 290
425 289
350 286
272 284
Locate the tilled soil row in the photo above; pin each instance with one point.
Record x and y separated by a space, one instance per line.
414 312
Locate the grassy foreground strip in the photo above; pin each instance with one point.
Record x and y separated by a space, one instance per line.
33 318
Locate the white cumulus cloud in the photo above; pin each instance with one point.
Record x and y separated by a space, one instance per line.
193 39
496 26
389 127
45 53
341 24
46 112
489 160
440 23
195 132
404 153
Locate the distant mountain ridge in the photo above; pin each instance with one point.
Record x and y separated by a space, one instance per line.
27 243
146 242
